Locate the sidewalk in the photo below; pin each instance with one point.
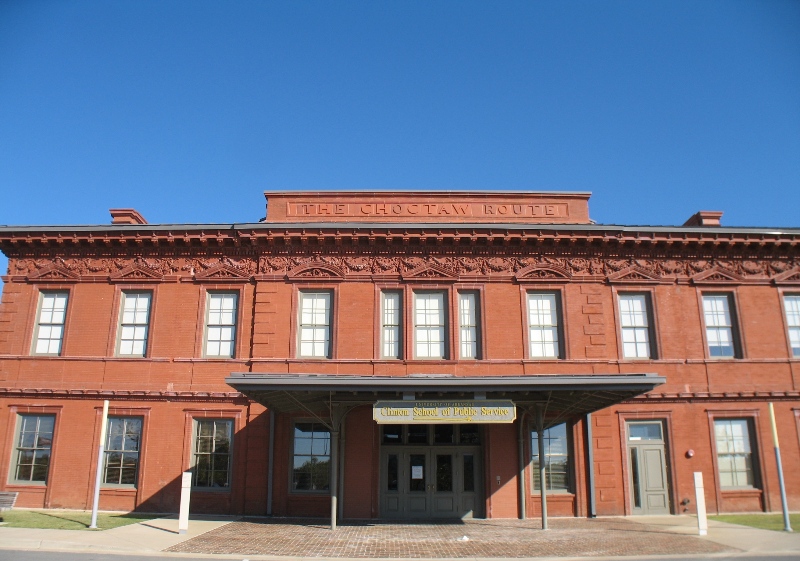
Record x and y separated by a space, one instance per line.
261 538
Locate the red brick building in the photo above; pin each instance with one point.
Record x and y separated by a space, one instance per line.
402 352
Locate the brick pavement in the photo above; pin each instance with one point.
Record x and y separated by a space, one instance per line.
567 537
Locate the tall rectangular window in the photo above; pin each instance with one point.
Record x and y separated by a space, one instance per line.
791 304
315 324
391 318
133 323
122 450
213 448
717 310
311 457
635 324
429 325
543 325
221 324
34 441
468 317
734 453
50 325
556 458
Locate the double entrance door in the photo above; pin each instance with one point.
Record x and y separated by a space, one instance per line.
431 482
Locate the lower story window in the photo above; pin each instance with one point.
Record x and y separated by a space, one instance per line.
122 450
212 453
734 453
311 457
556 458
34 440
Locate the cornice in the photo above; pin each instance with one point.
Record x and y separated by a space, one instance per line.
127 395
715 397
429 266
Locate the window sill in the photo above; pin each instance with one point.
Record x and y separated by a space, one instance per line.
560 494
741 492
26 486
119 491
212 490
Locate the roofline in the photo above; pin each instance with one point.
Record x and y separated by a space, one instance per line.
392 226
426 192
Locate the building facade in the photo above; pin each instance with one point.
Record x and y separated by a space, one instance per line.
399 355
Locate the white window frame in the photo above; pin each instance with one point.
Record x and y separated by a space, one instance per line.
391 343
544 325
220 324
314 325
51 317
636 325
430 320
134 323
791 307
736 453
212 454
469 342
719 317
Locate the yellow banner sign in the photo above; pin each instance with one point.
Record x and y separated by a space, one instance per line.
429 412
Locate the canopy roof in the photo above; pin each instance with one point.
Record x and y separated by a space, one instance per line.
563 396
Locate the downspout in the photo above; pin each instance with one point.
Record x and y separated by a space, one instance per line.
522 509
270 461
590 460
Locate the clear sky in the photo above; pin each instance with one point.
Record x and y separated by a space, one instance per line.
188 111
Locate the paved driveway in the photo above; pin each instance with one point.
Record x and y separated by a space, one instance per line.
567 537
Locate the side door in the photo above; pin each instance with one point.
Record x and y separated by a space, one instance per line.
647 468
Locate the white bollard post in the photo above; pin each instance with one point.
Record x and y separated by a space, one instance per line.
186 491
700 499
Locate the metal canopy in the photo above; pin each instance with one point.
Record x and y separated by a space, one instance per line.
562 396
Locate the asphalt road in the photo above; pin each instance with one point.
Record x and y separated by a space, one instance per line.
11 555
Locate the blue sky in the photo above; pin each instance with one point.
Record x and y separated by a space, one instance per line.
188 111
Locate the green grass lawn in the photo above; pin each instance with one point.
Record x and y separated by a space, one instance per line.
763 521
67 519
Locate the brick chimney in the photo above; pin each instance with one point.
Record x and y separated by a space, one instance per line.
126 216
709 218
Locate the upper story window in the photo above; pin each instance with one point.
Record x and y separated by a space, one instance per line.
544 314
315 324
49 332
636 324
391 324
468 322
429 325
791 304
220 324
719 316
34 441
133 323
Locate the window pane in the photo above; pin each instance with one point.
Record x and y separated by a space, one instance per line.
221 325
719 327
314 329
311 457
543 325
390 332
50 325
734 453
34 439
791 304
556 452
212 453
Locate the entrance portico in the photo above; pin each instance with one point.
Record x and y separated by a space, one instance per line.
425 470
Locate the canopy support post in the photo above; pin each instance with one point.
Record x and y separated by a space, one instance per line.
542 462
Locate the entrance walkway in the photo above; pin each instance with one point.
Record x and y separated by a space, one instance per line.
567 537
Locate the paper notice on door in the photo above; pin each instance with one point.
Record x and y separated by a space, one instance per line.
416 472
